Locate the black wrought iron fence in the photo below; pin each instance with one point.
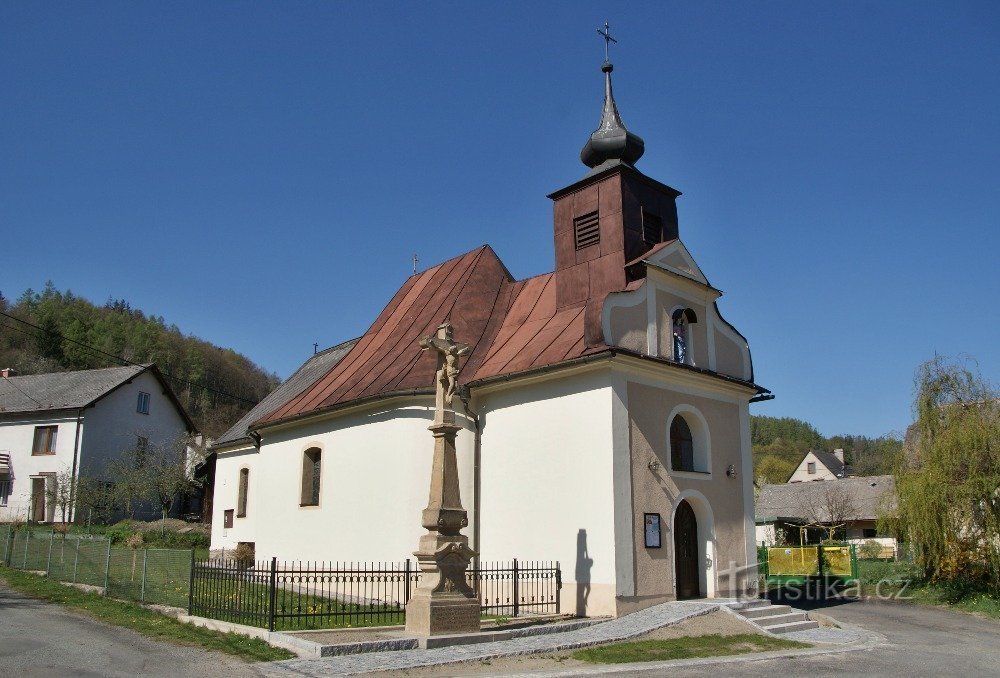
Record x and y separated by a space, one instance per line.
298 595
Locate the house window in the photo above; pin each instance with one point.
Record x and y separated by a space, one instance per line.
142 407
45 440
141 445
681 445
241 501
4 489
227 518
869 533
682 319
312 464
587 230
811 468
652 228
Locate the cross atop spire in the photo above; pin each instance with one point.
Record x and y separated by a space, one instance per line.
607 41
610 143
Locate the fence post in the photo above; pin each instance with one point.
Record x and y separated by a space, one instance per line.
76 560
273 593
191 587
27 538
142 590
558 588
516 597
406 584
7 545
48 561
107 568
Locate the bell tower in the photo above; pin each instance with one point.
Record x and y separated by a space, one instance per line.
610 217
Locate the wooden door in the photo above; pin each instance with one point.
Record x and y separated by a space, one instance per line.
686 552
38 500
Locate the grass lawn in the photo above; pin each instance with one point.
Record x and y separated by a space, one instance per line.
973 602
887 579
138 618
690 647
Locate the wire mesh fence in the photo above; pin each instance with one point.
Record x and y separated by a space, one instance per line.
160 576
269 594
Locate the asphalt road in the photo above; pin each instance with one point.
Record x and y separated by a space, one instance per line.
920 641
42 639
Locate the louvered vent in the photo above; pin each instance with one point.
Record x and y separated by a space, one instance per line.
652 228
587 230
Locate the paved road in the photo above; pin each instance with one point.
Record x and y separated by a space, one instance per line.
42 639
920 641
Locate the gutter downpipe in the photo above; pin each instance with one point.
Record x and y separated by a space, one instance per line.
76 454
465 396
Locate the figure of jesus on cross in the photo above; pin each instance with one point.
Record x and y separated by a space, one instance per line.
449 351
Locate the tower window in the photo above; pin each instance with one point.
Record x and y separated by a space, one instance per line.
587 230
652 228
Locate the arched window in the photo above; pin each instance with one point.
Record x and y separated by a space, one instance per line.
682 319
241 498
681 445
312 466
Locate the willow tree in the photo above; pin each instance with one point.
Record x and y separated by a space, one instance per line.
948 476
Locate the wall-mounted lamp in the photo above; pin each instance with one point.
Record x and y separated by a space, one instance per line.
731 471
654 465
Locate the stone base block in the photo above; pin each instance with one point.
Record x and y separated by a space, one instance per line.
441 614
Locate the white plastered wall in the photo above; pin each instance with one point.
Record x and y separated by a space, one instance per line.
802 475
374 484
548 488
112 427
17 434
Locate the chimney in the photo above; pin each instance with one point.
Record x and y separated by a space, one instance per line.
8 372
839 454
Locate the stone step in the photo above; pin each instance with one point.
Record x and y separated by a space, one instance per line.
793 626
752 604
768 611
779 619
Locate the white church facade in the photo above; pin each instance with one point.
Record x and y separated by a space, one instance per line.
604 414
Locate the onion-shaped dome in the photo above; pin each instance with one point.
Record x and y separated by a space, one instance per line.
611 142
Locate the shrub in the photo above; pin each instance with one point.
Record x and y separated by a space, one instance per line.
870 550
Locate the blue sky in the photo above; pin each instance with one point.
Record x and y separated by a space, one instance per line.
260 174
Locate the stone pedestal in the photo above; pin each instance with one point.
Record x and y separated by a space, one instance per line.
443 603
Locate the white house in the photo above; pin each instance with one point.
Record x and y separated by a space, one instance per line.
820 465
70 425
605 415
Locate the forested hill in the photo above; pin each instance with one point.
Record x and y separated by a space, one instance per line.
780 443
216 385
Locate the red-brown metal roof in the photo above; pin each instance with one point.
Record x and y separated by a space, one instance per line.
511 325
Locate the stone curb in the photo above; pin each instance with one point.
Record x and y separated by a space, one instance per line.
306 648
695 610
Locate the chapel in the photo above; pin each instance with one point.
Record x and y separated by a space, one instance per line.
604 412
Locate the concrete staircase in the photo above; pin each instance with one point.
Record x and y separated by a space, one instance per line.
775 618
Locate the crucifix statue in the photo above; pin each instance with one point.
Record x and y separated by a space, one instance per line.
449 351
444 602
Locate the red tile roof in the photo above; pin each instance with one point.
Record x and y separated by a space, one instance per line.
511 325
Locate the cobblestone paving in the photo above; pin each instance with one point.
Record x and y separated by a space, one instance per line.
621 628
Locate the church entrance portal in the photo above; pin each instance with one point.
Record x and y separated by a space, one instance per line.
686 552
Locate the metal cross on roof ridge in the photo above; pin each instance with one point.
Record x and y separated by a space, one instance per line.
607 40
